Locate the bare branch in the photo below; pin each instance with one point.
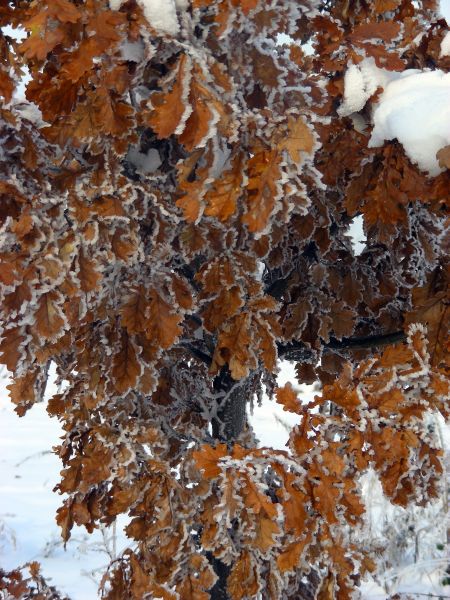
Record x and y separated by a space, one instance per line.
296 350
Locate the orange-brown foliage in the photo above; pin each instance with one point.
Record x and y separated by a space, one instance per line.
177 224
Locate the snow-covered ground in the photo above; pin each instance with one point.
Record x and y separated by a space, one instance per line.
28 505
28 530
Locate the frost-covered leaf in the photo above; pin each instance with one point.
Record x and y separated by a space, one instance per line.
169 108
287 396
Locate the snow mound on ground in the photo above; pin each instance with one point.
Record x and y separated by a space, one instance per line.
414 108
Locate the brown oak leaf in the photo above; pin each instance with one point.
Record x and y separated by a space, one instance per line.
287 397
263 190
126 367
168 108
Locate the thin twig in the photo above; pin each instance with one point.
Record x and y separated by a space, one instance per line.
291 350
428 594
202 356
354 343
35 455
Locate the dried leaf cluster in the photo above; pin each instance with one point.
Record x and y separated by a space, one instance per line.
18 585
177 223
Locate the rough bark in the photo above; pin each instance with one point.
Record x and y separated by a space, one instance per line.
230 421
231 414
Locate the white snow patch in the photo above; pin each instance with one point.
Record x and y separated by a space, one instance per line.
115 4
445 10
357 235
133 51
414 108
30 111
445 45
144 163
161 14
361 81
28 530
355 92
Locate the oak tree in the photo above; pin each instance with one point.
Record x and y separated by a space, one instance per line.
176 223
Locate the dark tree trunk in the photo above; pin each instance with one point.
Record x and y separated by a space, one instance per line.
231 414
226 427
219 590
232 398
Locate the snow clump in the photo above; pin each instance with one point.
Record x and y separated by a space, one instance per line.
161 14
414 108
445 45
361 81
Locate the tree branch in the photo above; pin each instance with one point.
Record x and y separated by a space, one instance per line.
368 341
295 348
202 356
